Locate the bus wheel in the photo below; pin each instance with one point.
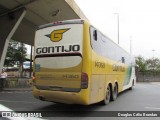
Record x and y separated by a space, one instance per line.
107 97
114 93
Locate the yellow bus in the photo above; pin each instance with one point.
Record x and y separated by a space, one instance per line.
75 63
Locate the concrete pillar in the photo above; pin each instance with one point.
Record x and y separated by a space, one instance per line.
9 22
30 73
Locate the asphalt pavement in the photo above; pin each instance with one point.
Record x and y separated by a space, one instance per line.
143 97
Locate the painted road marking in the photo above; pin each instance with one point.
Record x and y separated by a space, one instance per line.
7 113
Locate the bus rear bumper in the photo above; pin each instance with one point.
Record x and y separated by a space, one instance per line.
61 97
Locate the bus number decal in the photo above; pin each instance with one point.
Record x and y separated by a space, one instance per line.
70 76
99 64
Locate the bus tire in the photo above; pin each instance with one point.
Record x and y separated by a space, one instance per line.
107 96
114 92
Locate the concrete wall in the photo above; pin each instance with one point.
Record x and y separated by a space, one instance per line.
148 77
14 82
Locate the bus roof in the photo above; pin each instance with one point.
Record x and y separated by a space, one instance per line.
74 21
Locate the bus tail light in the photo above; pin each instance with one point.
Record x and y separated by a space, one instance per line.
84 80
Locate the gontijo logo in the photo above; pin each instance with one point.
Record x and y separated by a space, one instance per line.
57 35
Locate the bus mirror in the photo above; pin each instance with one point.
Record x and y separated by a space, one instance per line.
95 35
123 60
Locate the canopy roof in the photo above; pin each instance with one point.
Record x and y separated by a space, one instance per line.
39 12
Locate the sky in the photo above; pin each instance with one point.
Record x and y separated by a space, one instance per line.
139 22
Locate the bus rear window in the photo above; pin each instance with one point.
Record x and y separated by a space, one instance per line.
58 62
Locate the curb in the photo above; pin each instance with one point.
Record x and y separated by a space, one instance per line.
17 89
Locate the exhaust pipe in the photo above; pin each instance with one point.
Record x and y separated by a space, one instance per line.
42 98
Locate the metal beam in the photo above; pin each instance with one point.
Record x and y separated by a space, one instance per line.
9 24
17 7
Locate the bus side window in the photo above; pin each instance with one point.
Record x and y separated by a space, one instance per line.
95 35
123 60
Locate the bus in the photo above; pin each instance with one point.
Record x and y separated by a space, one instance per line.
74 63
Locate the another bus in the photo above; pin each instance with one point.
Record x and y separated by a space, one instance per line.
76 64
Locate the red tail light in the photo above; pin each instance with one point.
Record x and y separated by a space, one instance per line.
84 81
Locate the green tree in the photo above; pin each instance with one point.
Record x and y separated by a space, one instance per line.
153 65
20 56
16 54
141 64
10 61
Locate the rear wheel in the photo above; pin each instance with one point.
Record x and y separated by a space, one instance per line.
114 93
107 96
